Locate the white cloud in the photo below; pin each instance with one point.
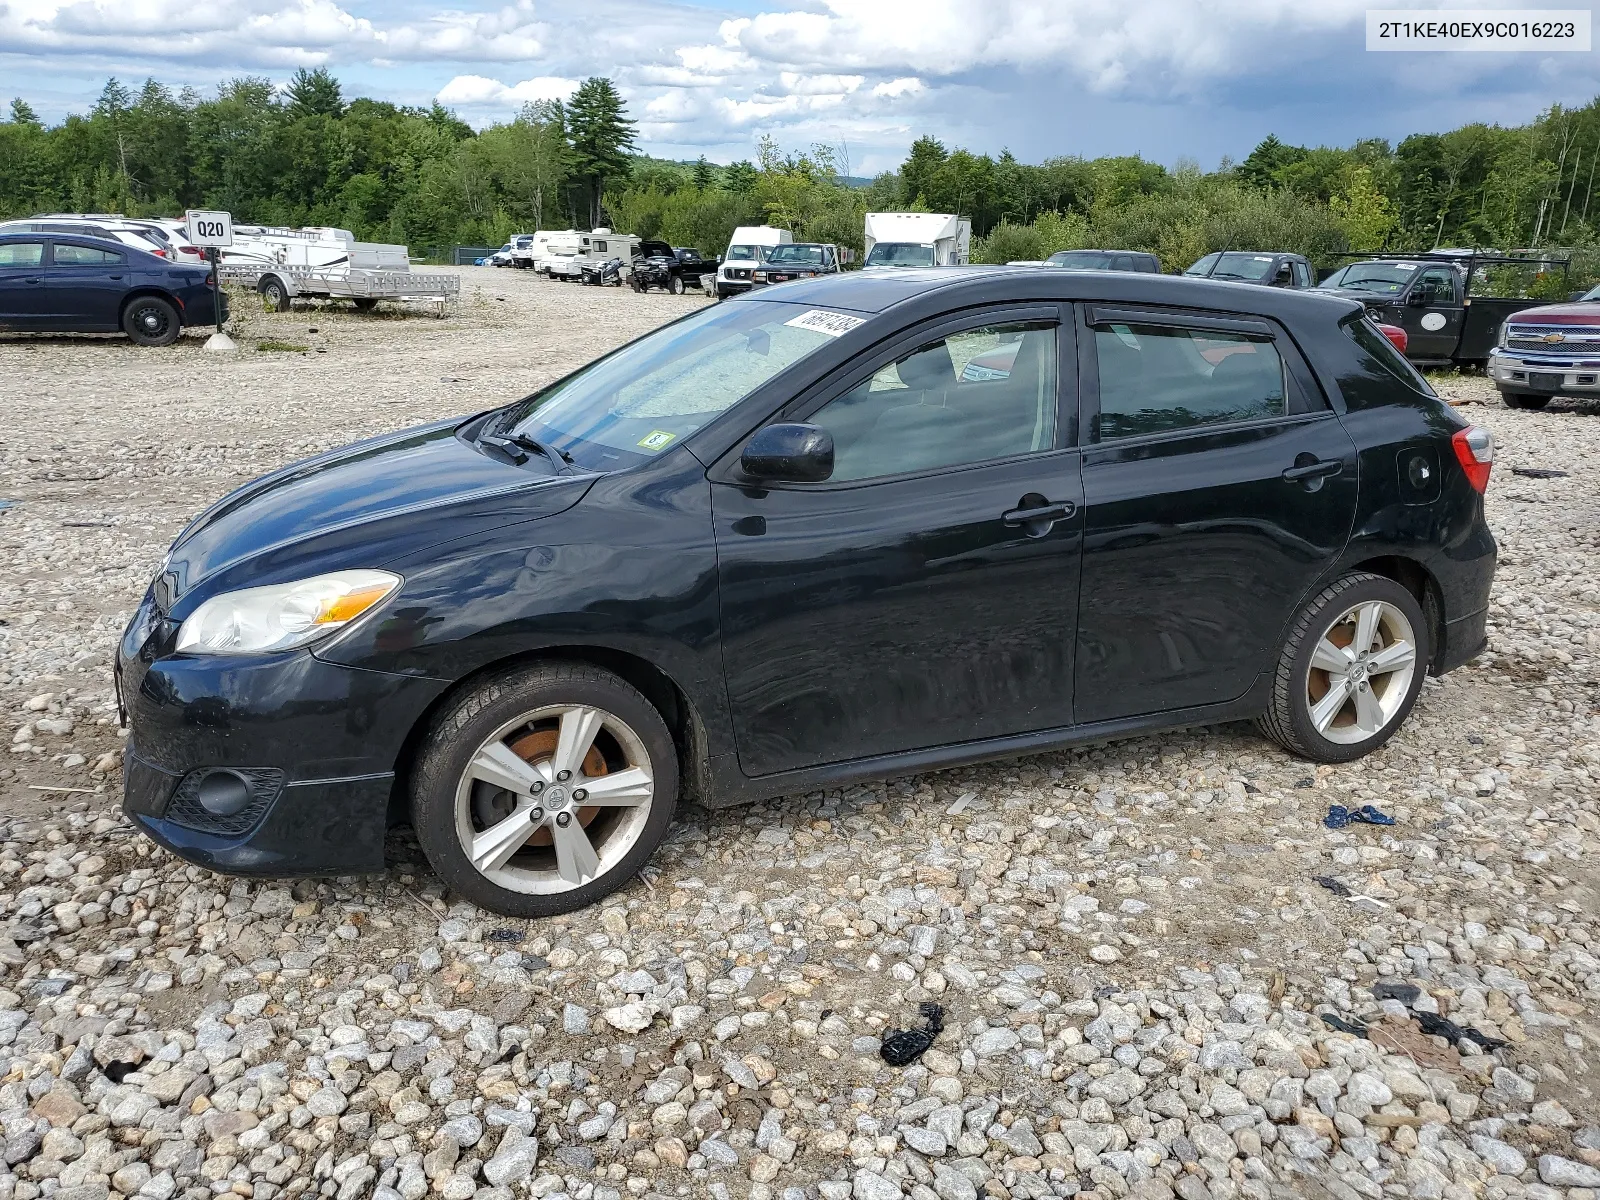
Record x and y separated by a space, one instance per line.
476 91
262 32
909 86
1108 44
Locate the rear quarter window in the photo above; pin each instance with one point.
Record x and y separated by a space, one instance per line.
1372 373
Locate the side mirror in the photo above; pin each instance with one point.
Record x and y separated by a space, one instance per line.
789 454
1419 297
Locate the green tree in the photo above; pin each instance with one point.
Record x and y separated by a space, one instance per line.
22 112
1362 211
600 135
916 173
740 177
705 175
315 94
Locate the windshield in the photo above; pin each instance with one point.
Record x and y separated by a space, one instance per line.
748 253
900 254
1381 278
796 253
1091 260
1592 294
1233 266
626 408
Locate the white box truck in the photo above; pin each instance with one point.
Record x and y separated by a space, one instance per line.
917 240
747 249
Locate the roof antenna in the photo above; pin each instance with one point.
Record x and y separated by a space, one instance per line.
1226 246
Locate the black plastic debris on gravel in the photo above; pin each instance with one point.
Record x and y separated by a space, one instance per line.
1539 472
901 1046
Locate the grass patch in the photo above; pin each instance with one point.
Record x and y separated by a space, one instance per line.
271 344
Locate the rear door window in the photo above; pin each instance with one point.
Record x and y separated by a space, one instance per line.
69 255
1161 378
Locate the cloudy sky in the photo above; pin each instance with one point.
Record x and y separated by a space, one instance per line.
1164 78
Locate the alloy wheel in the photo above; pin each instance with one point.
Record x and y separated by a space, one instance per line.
554 799
1361 672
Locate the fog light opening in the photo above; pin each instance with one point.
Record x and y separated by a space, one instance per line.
224 793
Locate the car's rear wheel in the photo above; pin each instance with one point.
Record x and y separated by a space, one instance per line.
1349 671
366 303
675 285
544 789
151 321
274 294
1525 399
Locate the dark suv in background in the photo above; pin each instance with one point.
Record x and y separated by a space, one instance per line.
1270 268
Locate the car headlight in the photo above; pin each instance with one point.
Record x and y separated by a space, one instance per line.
285 615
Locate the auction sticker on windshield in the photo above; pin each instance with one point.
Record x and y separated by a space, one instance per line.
831 323
657 439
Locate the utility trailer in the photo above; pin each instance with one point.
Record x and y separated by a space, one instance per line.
281 284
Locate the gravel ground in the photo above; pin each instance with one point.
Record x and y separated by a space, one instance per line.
1135 945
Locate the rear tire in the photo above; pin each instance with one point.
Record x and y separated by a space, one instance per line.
151 321
1335 699
365 304
274 294
523 729
675 285
1525 400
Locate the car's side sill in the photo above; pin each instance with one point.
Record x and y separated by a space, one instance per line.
730 786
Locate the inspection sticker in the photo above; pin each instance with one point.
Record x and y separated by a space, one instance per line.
831 323
657 439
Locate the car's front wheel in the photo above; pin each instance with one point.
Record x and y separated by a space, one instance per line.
1349 671
675 285
1525 400
151 321
544 789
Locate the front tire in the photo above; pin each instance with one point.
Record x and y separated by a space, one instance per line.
365 303
151 321
544 789
1525 400
1349 671
675 285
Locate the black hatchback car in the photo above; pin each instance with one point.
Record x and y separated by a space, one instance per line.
842 528
72 283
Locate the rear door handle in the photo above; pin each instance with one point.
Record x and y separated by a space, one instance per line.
1322 468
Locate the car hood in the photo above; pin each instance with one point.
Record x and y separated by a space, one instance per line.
374 500
1580 313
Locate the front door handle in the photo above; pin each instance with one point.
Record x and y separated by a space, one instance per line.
1312 468
113 276
1035 515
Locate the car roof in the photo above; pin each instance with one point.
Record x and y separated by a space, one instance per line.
879 290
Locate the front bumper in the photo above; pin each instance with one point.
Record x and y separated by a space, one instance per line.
327 738
1514 371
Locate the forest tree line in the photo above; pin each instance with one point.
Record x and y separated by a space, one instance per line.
306 155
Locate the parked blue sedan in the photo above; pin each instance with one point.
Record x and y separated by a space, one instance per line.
67 283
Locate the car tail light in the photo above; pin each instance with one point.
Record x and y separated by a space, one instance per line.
1474 447
159 252
1396 336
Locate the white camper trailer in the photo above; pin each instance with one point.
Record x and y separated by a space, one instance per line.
747 249
917 240
543 245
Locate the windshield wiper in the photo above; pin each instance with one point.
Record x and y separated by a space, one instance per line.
558 457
